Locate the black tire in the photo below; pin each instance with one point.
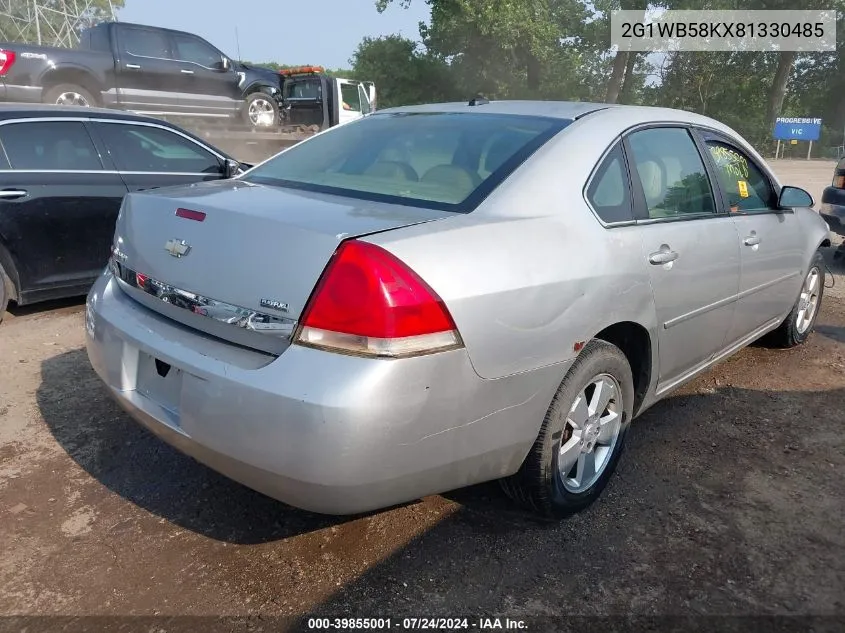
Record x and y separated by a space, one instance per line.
789 334
538 485
266 103
4 292
51 95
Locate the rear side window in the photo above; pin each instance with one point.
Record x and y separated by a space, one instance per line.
609 192
141 148
145 43
50 145
437 160
99 40
671 172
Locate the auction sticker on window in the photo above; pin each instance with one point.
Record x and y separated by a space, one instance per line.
743 188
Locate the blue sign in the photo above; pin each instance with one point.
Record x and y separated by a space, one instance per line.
798 129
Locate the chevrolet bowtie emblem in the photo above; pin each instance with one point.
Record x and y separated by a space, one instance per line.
177 248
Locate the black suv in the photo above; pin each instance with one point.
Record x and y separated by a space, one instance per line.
63 174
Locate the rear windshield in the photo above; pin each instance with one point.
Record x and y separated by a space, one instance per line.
444 161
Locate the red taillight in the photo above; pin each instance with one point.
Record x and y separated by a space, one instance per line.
7 59
369 302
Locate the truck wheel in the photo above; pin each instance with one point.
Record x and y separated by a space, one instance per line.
69 94
261 110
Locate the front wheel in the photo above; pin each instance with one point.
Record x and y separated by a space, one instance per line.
261 110
582 435
798 326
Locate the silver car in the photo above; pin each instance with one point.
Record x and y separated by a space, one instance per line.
441 295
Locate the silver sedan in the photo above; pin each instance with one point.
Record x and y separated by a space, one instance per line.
441 295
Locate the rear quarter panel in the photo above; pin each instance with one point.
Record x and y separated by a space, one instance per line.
532 272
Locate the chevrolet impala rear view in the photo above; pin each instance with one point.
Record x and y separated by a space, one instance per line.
441 295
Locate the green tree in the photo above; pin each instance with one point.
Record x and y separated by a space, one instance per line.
502 48
402 73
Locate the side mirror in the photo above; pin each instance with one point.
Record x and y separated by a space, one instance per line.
231 168
791 197
225 64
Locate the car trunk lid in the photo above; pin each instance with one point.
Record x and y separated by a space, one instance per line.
239 260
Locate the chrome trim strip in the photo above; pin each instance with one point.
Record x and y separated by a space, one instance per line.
699 311
727 300
220 311
105 171
95 119
768 284
695 371
182 114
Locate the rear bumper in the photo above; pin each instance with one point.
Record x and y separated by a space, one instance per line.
324 432
832 209
20 94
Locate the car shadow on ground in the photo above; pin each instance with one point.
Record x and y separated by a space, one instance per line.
715 494
133 463
37 309
833 332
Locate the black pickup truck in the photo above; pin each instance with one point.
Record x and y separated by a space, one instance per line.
144 69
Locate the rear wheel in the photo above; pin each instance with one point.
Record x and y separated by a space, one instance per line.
800 323
261 110
582 435
69 94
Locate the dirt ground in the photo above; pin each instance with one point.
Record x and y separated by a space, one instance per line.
728 500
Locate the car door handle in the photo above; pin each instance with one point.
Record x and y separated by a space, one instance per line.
185 71
662 257
751 240
133 66
11 194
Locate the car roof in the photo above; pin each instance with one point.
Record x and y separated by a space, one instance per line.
35 110
557 109
568 110
15 110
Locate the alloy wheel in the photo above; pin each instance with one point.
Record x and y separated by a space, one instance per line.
590 433
72 98
261 113
808 302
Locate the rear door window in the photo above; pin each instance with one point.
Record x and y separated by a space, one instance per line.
145 42
50 145
142 148
671 173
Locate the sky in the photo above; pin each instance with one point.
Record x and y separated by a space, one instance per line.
320 32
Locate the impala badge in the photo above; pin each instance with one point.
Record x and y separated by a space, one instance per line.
274 305
177 247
